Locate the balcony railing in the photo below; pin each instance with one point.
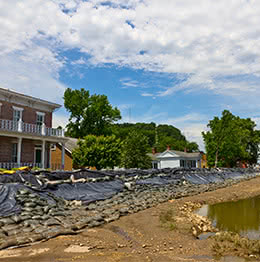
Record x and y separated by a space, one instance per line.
19 126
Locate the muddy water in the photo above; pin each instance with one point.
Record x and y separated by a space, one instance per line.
242 217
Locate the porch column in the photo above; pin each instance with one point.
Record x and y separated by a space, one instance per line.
43 154
19 147
62 155
50 165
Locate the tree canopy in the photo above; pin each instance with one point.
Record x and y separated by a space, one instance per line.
89 114
100 152
159 136
134 151
231 139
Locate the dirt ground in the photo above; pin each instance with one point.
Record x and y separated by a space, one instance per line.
140 237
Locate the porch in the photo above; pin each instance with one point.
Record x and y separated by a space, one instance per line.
21 149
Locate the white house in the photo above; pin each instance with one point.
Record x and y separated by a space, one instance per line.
173 158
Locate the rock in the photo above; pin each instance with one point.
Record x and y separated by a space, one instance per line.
195 231
51 222
112 218
7 221
29 204
129 185
123 211
91 207
16 218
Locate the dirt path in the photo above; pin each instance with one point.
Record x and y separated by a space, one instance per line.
140 237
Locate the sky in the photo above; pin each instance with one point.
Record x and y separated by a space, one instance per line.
177 62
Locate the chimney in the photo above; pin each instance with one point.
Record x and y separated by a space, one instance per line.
168 147
154 150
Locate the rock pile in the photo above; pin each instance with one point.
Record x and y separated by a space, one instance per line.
200 223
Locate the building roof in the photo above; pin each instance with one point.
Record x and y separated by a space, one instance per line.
71 144
185 154
8 94
182 154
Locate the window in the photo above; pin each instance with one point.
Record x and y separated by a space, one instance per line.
155 165
191 163
14 152
53 147
40 118
17 115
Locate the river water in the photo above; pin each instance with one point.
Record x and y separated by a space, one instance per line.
242 216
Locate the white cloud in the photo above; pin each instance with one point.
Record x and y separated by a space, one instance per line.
215 44
128 83
60 119
30 78
191 37
80 61
193 132
147 94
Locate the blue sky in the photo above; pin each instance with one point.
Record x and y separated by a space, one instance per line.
178 62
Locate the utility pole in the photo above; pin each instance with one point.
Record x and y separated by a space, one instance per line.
129 115
156 135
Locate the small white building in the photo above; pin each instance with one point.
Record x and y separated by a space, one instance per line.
173 158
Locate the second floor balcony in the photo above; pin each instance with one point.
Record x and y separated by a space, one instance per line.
20 126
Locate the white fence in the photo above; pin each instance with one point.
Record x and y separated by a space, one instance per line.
10 165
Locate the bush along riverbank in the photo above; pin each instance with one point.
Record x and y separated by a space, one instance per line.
37 206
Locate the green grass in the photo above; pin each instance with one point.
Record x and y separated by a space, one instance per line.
167 219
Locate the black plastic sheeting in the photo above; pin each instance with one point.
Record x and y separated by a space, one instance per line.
114 182
8 204
88 192
158 181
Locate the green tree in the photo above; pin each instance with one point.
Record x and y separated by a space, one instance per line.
134 151
169 131
89 114
230 139
159 137
123 130
97 151
192 147
174 144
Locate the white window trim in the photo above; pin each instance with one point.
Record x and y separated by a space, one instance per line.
40 113
17 108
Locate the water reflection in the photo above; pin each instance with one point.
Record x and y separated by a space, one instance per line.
242 216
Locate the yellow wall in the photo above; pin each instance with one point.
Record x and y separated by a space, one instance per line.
56 159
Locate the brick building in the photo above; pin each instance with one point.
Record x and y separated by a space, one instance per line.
26 132
56 154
